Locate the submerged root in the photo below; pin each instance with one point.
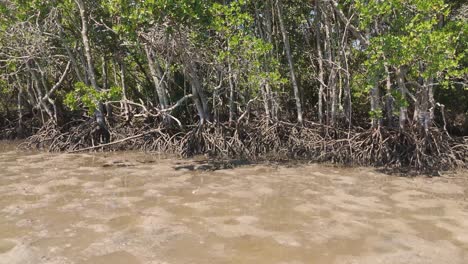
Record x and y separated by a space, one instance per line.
422 152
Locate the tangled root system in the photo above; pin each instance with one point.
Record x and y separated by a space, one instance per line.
422 152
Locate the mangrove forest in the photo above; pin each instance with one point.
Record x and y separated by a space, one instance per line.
359 82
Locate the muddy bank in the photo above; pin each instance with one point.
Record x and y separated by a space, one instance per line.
138 208
391 149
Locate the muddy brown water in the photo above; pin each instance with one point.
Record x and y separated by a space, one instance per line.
141 208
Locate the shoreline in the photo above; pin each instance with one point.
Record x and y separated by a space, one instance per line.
140 143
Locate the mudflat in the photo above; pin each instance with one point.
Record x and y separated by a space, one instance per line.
140 208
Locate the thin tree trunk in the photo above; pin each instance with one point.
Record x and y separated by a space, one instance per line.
320 61
90 64
375 105
20 128
87 47
432 103
266 103
403 109
231 88
332 83
31 92
49 92
287 48
114 71
426 105
74 63
124 91
105 84
264 25
157 82
347 89
388 95
105 80
201 94
162 79
196 86
82 59
331 78
231 94
36 83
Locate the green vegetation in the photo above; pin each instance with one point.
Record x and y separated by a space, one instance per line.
395 70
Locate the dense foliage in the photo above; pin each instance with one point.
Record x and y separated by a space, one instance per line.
397 64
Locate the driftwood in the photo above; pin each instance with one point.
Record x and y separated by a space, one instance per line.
115 142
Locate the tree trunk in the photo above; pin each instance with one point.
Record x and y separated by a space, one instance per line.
105 80
74 63
426 105
124 91
162 79
162 98
403 109
320 61
231 94
82 59
200 91
432 103
389 97
266 104
36 83
347 89
375 106
287 48
31 93
20 128
90 64
332 82
197 93
328 58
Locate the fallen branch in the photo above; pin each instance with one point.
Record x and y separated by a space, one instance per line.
116 142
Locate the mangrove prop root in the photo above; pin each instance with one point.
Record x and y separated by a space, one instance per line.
380 147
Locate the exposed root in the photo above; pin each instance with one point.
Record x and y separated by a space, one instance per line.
377 147
116 142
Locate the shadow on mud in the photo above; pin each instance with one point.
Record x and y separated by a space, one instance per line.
213 165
